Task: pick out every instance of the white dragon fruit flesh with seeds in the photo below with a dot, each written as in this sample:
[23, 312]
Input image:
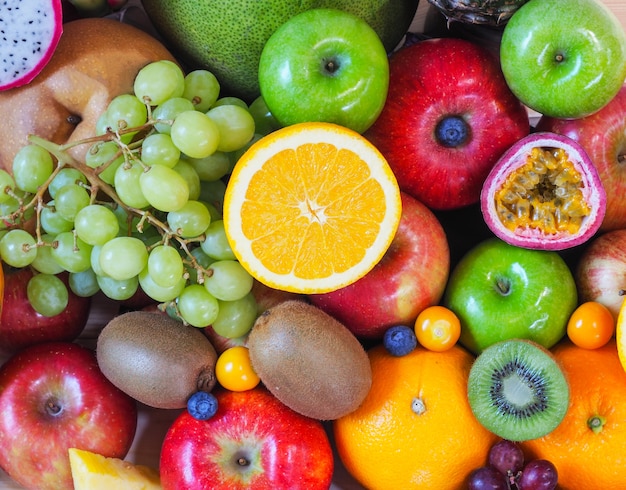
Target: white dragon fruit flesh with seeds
[29, 33]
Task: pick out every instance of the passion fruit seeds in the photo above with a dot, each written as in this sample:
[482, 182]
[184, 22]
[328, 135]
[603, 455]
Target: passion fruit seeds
[544, 193]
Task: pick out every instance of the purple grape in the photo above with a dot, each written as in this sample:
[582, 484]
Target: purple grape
[507, 457]
[538, 474]
[487, 478]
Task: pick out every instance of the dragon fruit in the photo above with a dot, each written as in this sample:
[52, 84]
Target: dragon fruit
[486, 12]
[29, 34]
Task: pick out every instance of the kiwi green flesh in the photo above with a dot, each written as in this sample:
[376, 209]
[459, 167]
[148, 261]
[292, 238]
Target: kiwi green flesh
[517, 390]
[156, 359]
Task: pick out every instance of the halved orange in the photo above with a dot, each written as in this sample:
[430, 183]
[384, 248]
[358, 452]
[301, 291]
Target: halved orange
[311, 207]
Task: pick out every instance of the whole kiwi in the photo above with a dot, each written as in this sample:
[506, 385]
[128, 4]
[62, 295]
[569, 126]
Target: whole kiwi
[156, 359]
[309, 360]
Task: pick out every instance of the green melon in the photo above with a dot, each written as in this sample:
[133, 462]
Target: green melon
[227, 36]
[488, 12]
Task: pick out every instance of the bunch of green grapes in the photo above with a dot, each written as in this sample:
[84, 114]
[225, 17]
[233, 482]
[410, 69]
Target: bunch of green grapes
[144, 209]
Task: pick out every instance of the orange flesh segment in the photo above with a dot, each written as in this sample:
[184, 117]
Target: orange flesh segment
[308, 214]
[546, 194]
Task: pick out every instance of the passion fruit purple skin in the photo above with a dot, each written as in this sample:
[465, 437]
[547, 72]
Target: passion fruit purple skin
[516, 157]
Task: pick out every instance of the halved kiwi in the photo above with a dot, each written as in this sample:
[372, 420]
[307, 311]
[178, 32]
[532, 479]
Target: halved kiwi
[517, 390]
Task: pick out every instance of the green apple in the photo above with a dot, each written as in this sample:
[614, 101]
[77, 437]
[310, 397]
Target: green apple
[500, 292]
[325, 65]
[227, 36]
[564, 58]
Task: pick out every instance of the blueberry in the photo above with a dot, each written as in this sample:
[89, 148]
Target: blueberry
[400, 340]
[202, 405]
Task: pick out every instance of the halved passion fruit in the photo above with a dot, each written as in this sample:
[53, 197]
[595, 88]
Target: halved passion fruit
[544, 193]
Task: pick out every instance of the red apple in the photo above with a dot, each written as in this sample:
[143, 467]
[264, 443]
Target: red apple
[411, 276]
[448, 117]
[600, 273]
[53, 397]
[22, 326]
[603, 136]
[253, 442]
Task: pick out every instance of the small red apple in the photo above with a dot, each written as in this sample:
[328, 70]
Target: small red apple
[411, 276]
[603, 136]
[253, 442]
[448, 117]
[22, 326]
[600, 273]
[53, 397]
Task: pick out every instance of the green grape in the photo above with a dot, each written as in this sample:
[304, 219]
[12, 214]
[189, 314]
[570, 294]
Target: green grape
[165, 113]
[236, 318]
[123, 257]
[7, 185]
[18, 248]
[216, 244]
[191, 220]
[96, 224]
[264, 120]
[187, 172]
[211, 168]
[230, 100]
[195, 134]
[126, 111]
[32, 166]
[47, 294]
[202, 88]
[228, 280]
[164, 188]
[71, 253]
[158, 81]
[65, 176]
[52, 222]
[118, 290]
[127, 186]
[197, 306]
[102, 124]
[234, 156]
[213, 192]
[83, 284]
[94, 260]
[106, 157]
[213, 211]
[157, 292]
[158, 148]
[165, 266]
[235, 124]
[70, 199]
[44, 261]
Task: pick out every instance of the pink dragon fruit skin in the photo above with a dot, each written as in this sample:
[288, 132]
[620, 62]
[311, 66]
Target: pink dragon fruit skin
[30, 32]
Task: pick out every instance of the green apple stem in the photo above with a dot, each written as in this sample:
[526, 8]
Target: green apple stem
[503, 286]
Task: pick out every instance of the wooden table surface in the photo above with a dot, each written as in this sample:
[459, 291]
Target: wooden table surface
[153, 424]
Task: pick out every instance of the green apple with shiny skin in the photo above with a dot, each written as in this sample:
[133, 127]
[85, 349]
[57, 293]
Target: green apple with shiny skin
[325, 65]
[500, 292]
[564, 58]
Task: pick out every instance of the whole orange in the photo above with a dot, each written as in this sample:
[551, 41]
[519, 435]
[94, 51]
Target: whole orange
[415, 429]
[589, 446]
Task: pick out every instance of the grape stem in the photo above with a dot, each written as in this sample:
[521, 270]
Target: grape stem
[97, 187]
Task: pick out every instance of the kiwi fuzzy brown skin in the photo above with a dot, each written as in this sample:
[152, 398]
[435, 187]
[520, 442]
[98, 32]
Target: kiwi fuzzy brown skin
[156, 359]
[517, 390]
[309, 361]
